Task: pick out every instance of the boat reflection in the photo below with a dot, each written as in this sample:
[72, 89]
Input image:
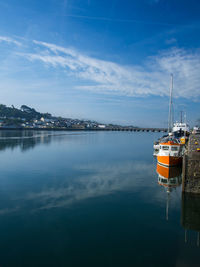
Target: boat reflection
[169, 177]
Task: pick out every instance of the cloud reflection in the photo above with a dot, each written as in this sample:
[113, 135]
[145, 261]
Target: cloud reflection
[104, 180]
[94, 180]
[89, 181]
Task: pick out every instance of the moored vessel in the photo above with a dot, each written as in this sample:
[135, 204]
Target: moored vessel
[169, 149]
[170, 153]
[180, 129]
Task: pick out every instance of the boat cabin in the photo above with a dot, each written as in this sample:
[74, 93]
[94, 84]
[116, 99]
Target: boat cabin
[169, 148]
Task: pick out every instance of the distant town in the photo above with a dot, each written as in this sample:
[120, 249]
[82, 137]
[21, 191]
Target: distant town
[28, 118]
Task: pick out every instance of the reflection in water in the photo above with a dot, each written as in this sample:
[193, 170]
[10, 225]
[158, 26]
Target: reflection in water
[190, 215]
[91, 181]
[91, 195]
[170, 178]
[26, 140]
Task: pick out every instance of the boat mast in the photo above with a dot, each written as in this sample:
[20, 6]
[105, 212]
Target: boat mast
[185, 124]
[170, 123]
[181, 116]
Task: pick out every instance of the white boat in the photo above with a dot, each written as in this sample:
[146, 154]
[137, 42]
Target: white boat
[181, 130]
[181, 127]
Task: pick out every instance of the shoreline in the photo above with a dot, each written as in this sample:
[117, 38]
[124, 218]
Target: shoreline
[88, 129]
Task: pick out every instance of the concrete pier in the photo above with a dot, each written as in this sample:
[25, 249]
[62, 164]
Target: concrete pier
[191, 166]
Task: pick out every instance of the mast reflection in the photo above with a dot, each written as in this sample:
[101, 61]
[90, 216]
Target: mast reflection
[170, 178]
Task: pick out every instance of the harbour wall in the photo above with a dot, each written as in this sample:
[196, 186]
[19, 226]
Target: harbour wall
[191, 166]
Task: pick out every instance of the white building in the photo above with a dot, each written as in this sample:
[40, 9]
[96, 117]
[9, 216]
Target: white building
[102, 126]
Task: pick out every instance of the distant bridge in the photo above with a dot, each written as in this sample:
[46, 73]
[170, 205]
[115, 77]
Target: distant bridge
[127, 129]
[136, 129]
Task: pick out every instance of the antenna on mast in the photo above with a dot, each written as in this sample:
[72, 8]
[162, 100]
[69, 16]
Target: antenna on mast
[185, 124]
[170, 120]
[181, 116]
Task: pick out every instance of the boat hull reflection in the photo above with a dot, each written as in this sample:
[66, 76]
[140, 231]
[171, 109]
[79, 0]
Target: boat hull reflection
[169, 176]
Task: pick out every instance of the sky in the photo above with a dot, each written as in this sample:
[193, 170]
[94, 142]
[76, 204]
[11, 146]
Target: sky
[104, 60]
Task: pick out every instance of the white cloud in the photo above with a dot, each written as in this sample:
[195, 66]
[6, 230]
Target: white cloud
[9, 40]
[153, 78]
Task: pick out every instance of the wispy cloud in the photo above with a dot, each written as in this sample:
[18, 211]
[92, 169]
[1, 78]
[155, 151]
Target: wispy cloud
[9, 40]
[147, 22]
[171, 41]
[106, 77]
[154, 1]
[152, 78]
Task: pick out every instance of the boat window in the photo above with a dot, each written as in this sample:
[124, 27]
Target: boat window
[164, 181]
[165, 148]
[174, 148]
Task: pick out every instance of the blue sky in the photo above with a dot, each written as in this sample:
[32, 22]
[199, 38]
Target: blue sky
[104, 60]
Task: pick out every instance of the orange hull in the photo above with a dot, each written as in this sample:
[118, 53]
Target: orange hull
[169, 160]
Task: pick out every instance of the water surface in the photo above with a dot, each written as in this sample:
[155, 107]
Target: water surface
[90, 199]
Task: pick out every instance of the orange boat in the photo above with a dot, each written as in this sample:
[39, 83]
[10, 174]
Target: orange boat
[169, 149]
[170, 153]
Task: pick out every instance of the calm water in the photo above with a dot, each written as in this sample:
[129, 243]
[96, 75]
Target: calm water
[90, 199]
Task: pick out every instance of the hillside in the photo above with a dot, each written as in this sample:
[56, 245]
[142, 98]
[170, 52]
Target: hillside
[24, 112]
